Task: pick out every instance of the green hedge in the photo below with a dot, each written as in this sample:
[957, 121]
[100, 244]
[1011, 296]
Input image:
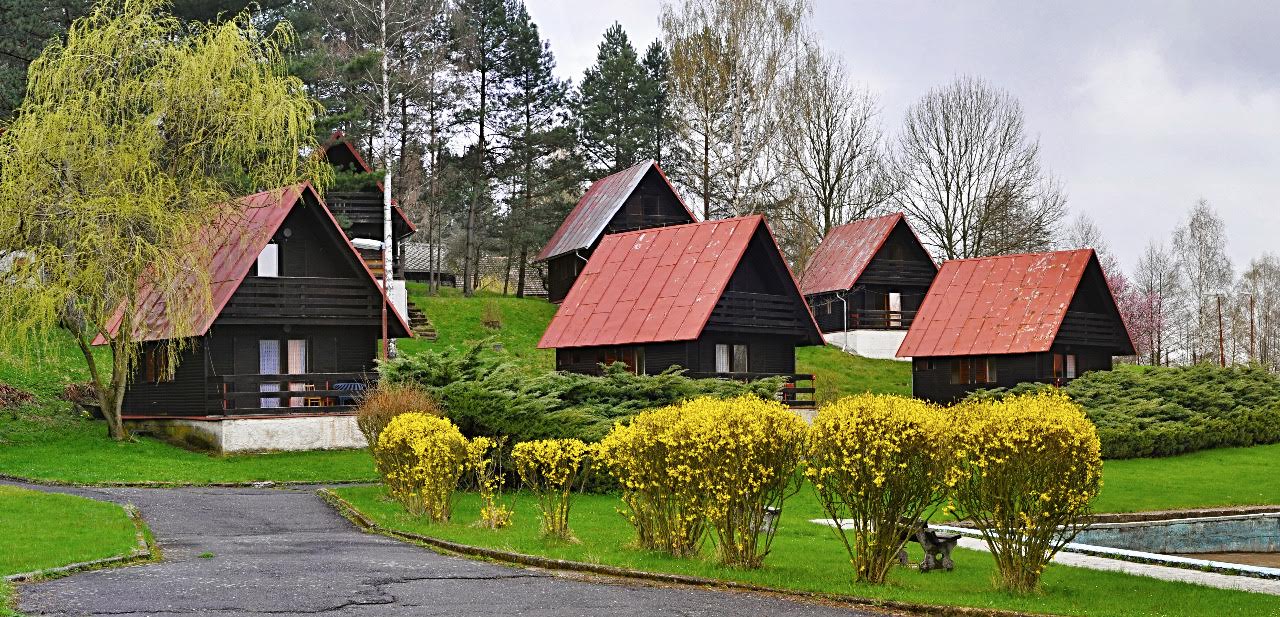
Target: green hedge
[486, 395]
[1161, 411]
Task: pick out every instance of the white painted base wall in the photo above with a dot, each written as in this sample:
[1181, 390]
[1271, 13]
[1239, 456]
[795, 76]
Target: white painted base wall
[880, 344]
[260, 434]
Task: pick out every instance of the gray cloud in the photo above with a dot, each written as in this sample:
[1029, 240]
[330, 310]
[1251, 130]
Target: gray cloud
[1140, 107]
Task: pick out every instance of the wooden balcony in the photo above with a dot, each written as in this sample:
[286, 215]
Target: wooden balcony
[898, 272]
[752, 311]
[630, 222]
[871, 319]
[310, 393]
[269, 300]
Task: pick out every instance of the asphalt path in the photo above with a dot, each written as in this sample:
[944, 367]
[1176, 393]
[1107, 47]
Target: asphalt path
[285, 552]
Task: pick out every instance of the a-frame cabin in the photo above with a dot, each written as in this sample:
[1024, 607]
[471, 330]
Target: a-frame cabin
[638, 197]
[715, 298]
[359, 208]
[1001, 321]
[865, 283]
[294, 309]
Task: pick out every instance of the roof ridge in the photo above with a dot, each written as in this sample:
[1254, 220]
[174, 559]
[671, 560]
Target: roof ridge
[1029, 254]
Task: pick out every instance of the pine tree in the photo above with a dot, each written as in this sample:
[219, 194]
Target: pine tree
[659, 144]
[534, 126]
[612, 106]
[482, 48]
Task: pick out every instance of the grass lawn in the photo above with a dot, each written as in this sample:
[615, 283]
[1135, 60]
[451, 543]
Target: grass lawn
[1222, 477]
[457, 321]
[808, 557]
[838, 373]
[46, 530]
[50, 440]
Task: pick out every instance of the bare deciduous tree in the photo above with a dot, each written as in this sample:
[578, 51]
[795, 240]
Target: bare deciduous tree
[729, 60]
[1200, 245]
[970, 177]
[830, 150]
[1261, 284]
[1158, 285]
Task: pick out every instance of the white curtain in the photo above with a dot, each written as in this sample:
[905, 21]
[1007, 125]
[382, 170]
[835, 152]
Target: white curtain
[297, 366]
[722, 358]
[269, 260]
[269, 364]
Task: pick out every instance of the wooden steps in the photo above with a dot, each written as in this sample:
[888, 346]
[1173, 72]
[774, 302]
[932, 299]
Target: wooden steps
[419, 323]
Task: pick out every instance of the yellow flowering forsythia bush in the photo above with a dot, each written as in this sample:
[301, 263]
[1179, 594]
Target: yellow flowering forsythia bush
[654, 460]
[707, 463]
[482, 462]
[549, 467]
[1030, 467]
[420, 458]
[875, 459]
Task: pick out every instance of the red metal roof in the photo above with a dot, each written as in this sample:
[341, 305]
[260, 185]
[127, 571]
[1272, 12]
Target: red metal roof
[235, 240]
[997, 305]
[653, 285]
[845, 252]
[337, 140]
[602, 200]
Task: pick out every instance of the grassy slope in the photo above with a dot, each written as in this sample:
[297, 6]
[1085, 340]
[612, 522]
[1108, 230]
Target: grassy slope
[808, 557]
[51, 441]
[46, 530]
[458, 323]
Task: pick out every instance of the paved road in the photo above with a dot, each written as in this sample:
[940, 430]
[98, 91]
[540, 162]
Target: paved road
[284, 552]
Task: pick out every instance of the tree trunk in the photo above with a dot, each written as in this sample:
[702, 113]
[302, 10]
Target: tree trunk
[108, 400]
[524, 259]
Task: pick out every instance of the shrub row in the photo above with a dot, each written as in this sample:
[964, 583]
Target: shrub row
[487, 396]
[1025, 468]
[1145, 411]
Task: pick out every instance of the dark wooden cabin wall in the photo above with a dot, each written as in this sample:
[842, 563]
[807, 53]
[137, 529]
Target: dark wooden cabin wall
[658, 357]
[761, 273]
[765, 353]
[183, 396]
[233, 350]
[885, 273]
[931, 377]
[562, 271]
[652, 204]
[309, 249]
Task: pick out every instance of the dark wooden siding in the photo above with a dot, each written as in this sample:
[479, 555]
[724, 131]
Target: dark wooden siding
[900, 266]
[765, 354]
[562, 271]
[658, 357]
[307, 247]
[183, 396]
[652, 204]
[233, 350]
[931, 377]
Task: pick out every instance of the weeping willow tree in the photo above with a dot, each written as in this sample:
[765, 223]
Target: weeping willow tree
[135, 134]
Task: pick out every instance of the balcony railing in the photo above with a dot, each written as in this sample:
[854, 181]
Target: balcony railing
[873, 319]
[632, 222]
[288, 394]
[752, 310]
[793, 394]
[1083, 328]
[287, 299]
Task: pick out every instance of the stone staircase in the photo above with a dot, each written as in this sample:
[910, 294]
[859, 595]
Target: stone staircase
[419, 323]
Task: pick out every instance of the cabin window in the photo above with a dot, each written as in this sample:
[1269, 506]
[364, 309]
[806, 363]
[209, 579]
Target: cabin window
[632, 357]
[924, 365]
[895, 309]
[966, 371]
[1064, 366]
[155, 366]
[269, 260]
[731, 358]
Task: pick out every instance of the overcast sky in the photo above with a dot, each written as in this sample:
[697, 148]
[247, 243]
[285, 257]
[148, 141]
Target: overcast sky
[1140, 107]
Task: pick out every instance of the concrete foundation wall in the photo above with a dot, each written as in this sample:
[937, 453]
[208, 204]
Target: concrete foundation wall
[1252, 533]
[257, 434]
[880, 344]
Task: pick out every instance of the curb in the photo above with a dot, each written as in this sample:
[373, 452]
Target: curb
[248, 484]
[144, 551]
[360, 520]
